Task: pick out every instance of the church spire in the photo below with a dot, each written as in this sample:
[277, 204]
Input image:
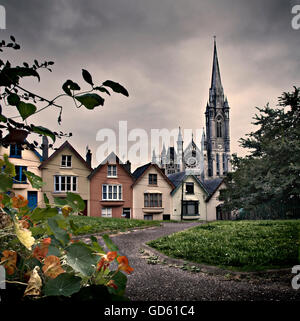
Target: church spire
[216, 75]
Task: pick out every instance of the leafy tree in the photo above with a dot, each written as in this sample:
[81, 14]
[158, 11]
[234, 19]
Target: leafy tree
[266, 183]
[27, 103]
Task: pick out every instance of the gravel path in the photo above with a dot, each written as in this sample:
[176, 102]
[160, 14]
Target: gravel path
[164, 283]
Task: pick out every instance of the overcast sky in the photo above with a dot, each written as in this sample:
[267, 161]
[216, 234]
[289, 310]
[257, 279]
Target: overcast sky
[161, 51]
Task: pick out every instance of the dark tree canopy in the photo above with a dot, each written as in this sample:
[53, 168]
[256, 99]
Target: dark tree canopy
[266, 183]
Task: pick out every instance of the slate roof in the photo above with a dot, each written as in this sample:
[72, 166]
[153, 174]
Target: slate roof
[112, 158]
[66, 144]
[140, 170]
[209, 185]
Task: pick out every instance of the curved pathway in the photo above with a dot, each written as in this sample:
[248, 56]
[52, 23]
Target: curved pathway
[164, 283]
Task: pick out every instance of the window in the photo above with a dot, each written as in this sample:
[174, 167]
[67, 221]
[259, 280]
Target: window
[148, 217]
[112, 170]
[152, 179]
[189, 188]
[65, 183]
[20, 177]
[224, 164]
[218, 164]
[219, 128]
[66, 161]
[152, 200]
[15, 151]
[111, 192]
[106, 212]
[190, 208]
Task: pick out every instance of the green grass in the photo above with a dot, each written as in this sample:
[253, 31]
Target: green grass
[90, 225]
[237, 245]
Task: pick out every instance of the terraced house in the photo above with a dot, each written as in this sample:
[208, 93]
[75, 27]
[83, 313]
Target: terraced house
[194, 198]
[66, 171]
[24, 160]
[151, 193]
[111, 188]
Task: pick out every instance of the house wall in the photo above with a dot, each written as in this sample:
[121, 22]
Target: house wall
[53, 167]
[32, 161]
[199, 195]
[213, 203]
[100, 178]
[138, 196]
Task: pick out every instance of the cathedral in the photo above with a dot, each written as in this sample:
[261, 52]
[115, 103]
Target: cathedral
[207, 156]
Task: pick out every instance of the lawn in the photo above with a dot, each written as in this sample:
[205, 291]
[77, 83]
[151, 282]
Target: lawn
[237, 245]
[89, 225]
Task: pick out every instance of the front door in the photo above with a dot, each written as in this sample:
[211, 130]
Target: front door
[32, 199]
[126, 212]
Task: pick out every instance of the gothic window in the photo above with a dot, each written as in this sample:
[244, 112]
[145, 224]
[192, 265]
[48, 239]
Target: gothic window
[224, 164]
[218, 164]
[219, 128]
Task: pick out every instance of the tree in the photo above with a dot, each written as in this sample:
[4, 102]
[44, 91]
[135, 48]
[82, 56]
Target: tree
[27, 103]
[266, 183]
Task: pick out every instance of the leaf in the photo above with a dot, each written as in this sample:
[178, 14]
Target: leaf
[81, 259]
[90, 101]
[34, 284]
[6, 182]
[26, 109]
[13, 99]
[65, 284]
[109, 243]
[87, 77]
[43, 131]
[35, 181]
[60, 234]
[60, 202]
[116, 87]
[75, 201]
[41, 214]
[70, 85]
[46, 200]
[102, 89]
[95, 245]
[120, 281]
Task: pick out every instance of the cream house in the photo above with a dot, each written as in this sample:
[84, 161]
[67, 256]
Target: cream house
[151, 193]
[194, 198]
[24, 160]
[66, 171]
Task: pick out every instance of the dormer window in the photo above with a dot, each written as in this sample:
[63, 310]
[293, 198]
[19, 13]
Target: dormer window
[66, 161]
[15, 151]
[111, 170]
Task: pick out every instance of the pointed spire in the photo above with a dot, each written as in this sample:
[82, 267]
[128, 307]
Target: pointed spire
[216, 76]
[179, 139]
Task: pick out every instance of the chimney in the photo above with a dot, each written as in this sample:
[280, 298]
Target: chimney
[128, 166]
[89, 157]
[45, 148]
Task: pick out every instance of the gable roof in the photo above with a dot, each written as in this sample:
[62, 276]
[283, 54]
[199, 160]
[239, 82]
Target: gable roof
[180, 177]
[141, 171]
[212, 186]
[112, 158]
[66, 144]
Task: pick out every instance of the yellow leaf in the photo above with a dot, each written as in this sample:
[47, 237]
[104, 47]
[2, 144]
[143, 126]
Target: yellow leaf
[34, 284]
[24, 235]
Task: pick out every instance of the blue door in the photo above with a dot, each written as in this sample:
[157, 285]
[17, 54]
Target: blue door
[32, 200]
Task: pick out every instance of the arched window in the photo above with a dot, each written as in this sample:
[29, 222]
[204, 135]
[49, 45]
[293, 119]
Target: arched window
[219, 128]
[218, 164]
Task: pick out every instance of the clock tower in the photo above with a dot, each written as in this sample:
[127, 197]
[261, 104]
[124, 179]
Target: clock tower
[217, 143]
